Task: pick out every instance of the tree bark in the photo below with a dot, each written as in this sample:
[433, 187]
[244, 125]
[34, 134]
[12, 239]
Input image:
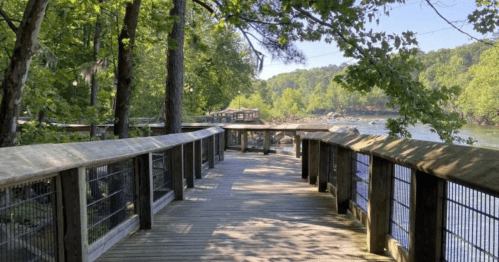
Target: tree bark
[17, 71]
[125, 69]
[175, 71]
[94, 86]
[41, 118]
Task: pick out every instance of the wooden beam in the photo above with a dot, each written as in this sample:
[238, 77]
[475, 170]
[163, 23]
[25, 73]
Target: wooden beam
[297, 146]
[304, 159]
[244, 140]
[266, 142]
[343, 179]
[211, 151]
[378, 207]
[177, 170]
[145, 184]
[74, 197]
[426, 214]
[313, 163]
[198, 159]
[189, 158]
[323, 166]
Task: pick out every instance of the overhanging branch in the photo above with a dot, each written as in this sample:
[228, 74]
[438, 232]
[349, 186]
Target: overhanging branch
[9, 21]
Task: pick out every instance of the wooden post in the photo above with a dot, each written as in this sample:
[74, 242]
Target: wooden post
[74, 198]
[343, 180]
[426, 214]
[378, 207]
[313, 161]
[177, 172]
[189, 164]
[211, 151]
[226, 138]
[304, 159]
[266, 142]
[145, 184]
[297, 146]
[222, 146]
[244, 141]
[323, 166]
[198, 159]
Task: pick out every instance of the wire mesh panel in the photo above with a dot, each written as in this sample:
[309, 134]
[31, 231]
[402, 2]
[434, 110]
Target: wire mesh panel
[471, 225]
[28, 222]
[110, 197]
[204, 150]
[400, 199]
[331, 174]
[234, 137]
[255, 139]
[161, 175]
[360, 180]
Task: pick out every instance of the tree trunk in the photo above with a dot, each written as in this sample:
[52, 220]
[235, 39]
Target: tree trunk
[17, 71]
[175, 72]
[41, 118]
[94, 86]
[125, 69]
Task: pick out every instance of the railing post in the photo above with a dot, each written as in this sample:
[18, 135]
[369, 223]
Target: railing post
[343, 180]
[74, 198]
[198, 159]
[323, 166]
[189, 164]
[211, 151]
[297, 146]
[177, 165]
[304, 159]
[226, 139]
[378, 208]
[426, 214]
[145, 184]
[313, 161]
[244, 141]
[266, 142]
[221, 138]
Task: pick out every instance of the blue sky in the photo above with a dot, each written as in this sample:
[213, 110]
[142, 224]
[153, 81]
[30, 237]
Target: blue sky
[433, 33]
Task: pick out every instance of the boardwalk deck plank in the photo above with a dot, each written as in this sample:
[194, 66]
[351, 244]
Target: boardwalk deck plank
[250, 207]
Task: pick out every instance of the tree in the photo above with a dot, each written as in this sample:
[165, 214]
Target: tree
[16, 73]
[125, 69]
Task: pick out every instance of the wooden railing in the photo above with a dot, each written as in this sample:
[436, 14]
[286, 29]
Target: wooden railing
[420, 201]
[72, 202]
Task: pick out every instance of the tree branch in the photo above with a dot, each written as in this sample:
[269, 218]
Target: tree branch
[9, 21]
[455, 27]
[205, 5]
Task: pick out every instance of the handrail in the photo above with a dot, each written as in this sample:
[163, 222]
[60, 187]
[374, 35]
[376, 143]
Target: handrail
[23, 163]
[475, 167]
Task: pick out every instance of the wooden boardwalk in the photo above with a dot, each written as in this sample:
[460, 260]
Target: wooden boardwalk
[250, 207]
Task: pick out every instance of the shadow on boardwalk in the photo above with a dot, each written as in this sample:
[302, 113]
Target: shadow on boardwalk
[250, 207]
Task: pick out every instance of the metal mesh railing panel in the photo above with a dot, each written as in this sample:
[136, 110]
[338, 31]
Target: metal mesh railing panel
[360, 180]
[110, 197]
[400, 205]
[162, 177]
[471, 225]
[331, 174]
[28, 222]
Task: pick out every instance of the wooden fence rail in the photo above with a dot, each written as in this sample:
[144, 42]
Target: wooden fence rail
[434, 224]
[82, 198]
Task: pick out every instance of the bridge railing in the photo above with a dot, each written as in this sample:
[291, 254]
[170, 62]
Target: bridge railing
[420, 201]
[72, 202]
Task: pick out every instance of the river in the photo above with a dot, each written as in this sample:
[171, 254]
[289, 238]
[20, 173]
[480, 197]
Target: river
[485, 136]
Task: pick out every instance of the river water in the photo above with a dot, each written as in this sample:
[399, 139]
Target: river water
[486, 136]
